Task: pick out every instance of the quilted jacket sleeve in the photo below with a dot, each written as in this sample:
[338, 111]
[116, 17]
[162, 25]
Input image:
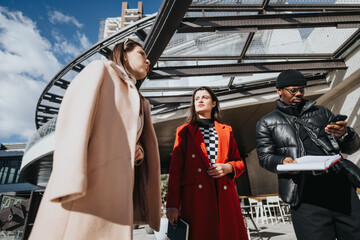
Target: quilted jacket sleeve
[266, 148]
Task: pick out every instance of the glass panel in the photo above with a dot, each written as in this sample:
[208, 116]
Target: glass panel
[166, 93]
[254, 78]
[186, 82]
[212, 2]
[203, 44]
[304, 40]
[193, 63]
[314, 2]
[218, 14]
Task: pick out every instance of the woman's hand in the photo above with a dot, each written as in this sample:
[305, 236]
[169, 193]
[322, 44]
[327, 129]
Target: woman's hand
[218, 170]
[172, 214]
[338, 129]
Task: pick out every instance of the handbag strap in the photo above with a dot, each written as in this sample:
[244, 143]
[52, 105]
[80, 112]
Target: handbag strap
[312, 135]
[300, 121]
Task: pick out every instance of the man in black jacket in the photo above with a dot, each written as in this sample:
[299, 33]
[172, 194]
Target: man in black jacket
[324, 205]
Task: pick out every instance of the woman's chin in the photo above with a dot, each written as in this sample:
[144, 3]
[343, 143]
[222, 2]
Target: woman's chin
[140, 76]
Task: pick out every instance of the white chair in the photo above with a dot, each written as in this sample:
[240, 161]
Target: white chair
[257, 208]
[247, 215]
[272, 207]
[286, 211]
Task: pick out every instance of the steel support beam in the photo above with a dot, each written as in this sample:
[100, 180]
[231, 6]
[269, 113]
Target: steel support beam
[247, 57]
[272, 21]
[224, 95]
[166, 22]
[244, 68]
[48, 109]
[272, 7]
[62, 83]
[348, 44]
[53, 97]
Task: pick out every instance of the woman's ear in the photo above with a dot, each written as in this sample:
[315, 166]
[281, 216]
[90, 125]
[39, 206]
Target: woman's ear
[213, 103]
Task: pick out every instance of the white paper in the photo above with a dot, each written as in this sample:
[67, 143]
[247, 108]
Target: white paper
[309, 163]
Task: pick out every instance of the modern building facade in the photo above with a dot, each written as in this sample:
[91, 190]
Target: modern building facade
[111, 25]
[14, 192]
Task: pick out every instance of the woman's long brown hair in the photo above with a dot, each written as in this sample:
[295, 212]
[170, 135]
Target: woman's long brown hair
[193, 118]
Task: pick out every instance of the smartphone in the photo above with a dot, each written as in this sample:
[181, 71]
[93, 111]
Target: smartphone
[337, 118]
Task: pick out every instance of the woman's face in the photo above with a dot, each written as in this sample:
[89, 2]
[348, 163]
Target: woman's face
[137, 63]
[203, 103]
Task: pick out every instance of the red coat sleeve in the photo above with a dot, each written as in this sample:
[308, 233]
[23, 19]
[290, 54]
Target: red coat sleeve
[176, 169]
[234, 157]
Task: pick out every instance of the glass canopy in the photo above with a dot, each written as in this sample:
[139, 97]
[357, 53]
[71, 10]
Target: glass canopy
[229, 45]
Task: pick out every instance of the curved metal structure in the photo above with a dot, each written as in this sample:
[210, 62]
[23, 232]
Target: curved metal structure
[77, 65]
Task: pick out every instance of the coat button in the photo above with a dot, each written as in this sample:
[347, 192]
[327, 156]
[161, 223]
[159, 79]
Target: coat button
[193, 156]
[200, 186]
[199, 169]
[225, 187]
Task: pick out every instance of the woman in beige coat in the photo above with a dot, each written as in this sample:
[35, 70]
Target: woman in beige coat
[106, 171]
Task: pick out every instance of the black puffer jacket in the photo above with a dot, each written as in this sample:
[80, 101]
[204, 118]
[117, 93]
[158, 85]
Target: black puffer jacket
[278, 137]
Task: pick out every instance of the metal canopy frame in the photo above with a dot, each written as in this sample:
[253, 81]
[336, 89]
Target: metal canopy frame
[245, 68]
[312, 15]
[177, 17]
[254, 23]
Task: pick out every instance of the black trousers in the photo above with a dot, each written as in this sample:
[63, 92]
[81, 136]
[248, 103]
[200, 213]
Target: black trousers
[314, 222]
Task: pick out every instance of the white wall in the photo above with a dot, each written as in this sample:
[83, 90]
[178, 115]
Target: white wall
[261, 180]
[344, 96]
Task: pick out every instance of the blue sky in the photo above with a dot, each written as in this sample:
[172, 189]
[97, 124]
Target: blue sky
[37, 38]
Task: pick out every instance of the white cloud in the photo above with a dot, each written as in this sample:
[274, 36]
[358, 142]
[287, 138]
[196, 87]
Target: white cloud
[84, 41]
[63, 46]
[27, 63]
[70, 47]
[58, 17]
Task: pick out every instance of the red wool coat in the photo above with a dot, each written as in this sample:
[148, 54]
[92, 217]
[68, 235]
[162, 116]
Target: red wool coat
[211, 207]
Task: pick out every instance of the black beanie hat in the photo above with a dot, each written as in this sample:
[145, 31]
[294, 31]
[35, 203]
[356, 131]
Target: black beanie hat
[290, 77]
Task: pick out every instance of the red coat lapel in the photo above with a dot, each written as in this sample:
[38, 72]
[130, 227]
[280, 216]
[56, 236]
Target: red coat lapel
[199, 143]
[223, 145]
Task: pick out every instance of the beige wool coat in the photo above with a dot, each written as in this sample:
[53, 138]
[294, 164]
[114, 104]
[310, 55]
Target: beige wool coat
[95, 191]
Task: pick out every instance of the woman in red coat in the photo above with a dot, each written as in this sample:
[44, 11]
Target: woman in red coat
[204, 163]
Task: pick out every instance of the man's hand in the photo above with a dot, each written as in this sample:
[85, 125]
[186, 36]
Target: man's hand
[290, 160]
[218, 170]
[172, 214]
[338, 129]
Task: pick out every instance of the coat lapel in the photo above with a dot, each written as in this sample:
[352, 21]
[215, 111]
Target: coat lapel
[199, 143]
[223, 142]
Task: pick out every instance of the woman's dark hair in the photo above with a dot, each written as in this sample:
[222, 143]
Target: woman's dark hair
[193, 118]
[119, 50]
